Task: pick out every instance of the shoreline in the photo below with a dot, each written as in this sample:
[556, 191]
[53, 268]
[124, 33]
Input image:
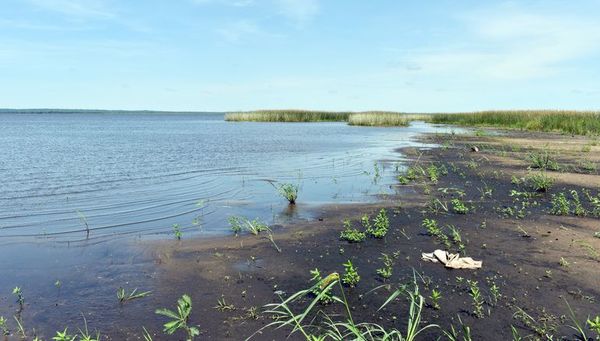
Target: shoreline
[521, 256]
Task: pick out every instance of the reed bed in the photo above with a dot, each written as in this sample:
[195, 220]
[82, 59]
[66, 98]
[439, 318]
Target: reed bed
[569, 122]
[384, 119]
[288, 116]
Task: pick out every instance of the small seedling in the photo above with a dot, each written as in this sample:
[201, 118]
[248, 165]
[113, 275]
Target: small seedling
[177, 231]
[180, 318]
[123, 296]
[539, 182]
[319, 289]
[563, 262]
[3, 326]
[19, 293]
[380, 226]
[64, 336]
[436, 295]
[222, 305]
[477, 298]
[386, 271]
[459, 207]
[560, 204]
[350, 277]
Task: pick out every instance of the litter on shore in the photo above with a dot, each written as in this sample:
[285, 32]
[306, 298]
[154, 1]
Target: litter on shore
[451, 260]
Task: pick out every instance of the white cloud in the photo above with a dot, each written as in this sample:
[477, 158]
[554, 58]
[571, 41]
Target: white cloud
[512, 43]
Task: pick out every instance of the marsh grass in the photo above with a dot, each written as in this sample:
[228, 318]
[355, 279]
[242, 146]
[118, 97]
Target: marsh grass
[366, 118]
[384, 119]
[288, 116]
[570, 122]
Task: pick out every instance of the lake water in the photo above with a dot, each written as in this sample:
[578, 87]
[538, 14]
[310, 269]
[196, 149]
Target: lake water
[129, 177]
[139, 174]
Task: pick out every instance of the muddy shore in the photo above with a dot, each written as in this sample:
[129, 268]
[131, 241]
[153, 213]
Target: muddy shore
[539, 261]
[534, 262]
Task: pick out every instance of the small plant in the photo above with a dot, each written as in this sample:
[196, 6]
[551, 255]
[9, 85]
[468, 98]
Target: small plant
[123, 296]
[457, 238]
[403, 180]
[350, 277]
[436, 295]
[352, 234]
[563, 262]
[560, 204]
[433, 174]
[255, 226]
[543, 160]
[20, 299]
[85, 335]
[435, 231]
[180, 318]
[381, 225]
[289, 192]
[3, 326]
[578, 208]
[458, 206]
[594, 324]
[495, 291]
[386, 271]
[177, 231]
[539, 182]
[222, 305]
[477, 298]
[64, 336]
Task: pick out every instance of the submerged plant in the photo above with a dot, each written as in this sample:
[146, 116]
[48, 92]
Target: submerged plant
[177, 231]
[20, 298]
[289, 192]
[180, 318]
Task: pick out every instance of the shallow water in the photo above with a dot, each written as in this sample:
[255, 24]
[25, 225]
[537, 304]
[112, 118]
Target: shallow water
[130, 177]
[119, 174]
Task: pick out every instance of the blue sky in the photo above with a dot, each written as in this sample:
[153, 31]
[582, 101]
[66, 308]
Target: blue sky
[218, 55]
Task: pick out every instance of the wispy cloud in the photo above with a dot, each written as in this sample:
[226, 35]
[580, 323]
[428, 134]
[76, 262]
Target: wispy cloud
[75, 8]
[509, 42]
[299, 11]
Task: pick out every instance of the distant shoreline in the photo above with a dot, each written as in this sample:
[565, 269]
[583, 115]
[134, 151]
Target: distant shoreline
[101, 111]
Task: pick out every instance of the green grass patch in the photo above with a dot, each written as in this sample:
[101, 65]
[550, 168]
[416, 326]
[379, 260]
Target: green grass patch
[570, 122]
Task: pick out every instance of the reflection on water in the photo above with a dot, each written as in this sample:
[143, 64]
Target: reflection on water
[137, 174]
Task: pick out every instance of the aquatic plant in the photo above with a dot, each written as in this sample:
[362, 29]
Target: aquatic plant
[287, 116]
[289, 192]
[20, 298]
[180, 318]
[177, 231]
[64, 336]
[123, 296]
[4, 326]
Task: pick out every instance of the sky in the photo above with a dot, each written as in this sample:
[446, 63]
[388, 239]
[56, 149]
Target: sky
[225, 55]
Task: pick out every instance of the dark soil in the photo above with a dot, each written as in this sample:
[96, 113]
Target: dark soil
[539, 261]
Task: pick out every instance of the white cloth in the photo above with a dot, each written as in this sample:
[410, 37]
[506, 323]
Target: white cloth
[451, 260]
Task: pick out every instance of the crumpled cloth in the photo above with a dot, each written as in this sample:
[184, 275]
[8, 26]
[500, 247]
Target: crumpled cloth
[451, 260]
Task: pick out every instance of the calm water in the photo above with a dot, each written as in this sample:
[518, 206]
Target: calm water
[138, 174]
[130, 177]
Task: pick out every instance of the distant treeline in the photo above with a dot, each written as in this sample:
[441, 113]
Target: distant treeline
[97, 111]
